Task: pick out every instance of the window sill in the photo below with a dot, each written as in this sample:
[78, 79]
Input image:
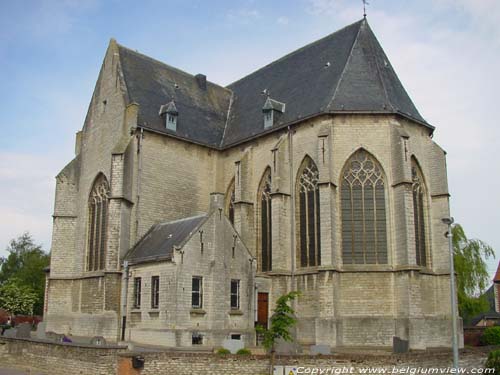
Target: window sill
[197, 312]
[154, 311]
[236, 312]
[135, 310]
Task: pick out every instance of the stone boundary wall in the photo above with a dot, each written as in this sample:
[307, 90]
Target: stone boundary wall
[57, 358]
[68, 359]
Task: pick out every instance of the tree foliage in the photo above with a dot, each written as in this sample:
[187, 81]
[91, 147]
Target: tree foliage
[17, 299]
[281, 322]
[24, 269]
[472, 273]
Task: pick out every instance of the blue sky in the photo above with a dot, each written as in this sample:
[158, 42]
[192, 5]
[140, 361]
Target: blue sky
[446, 53]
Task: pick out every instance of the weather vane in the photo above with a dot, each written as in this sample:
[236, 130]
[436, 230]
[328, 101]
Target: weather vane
[365, 3]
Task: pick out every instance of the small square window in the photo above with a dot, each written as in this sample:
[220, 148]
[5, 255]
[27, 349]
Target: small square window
[235, 336]
[197, 339]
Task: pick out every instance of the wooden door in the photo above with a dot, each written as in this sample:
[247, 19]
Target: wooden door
[262, 309]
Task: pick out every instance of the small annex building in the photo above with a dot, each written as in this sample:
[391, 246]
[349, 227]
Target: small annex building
[199, 255]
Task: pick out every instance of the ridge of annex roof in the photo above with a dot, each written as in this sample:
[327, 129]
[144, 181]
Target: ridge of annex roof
[344, 72]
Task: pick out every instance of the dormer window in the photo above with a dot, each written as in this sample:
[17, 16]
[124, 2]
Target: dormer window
[272, 111]
[171, 122]
[170, 113]
[268, 119]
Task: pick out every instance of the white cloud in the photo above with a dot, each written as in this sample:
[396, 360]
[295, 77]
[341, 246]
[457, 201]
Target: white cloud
[27, 185]
[243, 16]
[449, 68]
[282, 20]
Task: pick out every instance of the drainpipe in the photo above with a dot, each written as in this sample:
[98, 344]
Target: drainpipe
[139, 173]
[124, 298]
[292, 206]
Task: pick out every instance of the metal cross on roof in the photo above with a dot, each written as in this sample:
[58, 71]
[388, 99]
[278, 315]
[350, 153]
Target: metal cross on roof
[365, 3]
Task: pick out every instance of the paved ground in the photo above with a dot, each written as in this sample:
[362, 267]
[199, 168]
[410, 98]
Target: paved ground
[6, 371]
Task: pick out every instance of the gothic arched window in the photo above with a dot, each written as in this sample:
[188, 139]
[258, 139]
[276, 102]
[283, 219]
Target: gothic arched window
[364, 231]
[265, 222]
[308, 219]
[418, 190]
[230, 202]
[97, 223]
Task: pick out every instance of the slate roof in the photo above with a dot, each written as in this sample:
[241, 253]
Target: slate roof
[151, 84]
[344, 72]
[485, 316]
[159, 241]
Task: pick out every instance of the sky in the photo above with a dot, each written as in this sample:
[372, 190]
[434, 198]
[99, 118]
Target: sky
[446, 53]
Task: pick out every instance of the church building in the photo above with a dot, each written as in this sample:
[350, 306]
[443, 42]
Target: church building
[190, 207]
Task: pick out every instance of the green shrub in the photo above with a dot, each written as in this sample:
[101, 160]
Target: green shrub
[491, 336]
[493, 361]
[243, 351]
[223, 351]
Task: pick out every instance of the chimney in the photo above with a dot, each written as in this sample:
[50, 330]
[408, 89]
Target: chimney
[202, 81]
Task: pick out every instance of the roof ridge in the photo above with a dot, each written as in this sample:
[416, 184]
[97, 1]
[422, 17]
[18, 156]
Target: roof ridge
[120, 70]
[227, 119]
[295, 52]
[183, 219]
[345, 66]
[379, 74]
[152, 59]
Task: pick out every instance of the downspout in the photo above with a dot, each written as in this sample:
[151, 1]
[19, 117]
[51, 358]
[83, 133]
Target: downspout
[139, 173]
[124, 298]
[292, 208]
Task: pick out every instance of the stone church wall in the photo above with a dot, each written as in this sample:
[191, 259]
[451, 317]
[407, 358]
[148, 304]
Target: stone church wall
[70, 306]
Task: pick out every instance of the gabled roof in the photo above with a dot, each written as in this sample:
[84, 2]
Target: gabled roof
[158, 243]
[344, 72]
[151, 84]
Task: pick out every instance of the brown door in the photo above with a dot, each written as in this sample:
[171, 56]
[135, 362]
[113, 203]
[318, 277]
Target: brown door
[262, 309]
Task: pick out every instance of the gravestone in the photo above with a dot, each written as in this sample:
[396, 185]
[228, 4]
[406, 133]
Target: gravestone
[98, 340]
[40, 331]
[51, 336]
[399, 345]
[287, 348]
[233, 345]
[23, 331]
[11, 333]
[320, 349]
[54, 336]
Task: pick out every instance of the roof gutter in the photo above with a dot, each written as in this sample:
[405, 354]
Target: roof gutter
[288, 125]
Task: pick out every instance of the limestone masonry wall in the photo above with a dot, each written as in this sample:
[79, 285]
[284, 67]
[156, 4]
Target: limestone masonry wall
[68, 359]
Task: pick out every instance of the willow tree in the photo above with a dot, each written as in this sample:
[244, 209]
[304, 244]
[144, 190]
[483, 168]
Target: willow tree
[472, 274]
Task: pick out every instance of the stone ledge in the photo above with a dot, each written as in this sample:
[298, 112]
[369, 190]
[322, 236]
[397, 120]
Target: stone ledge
[197, 312]
[4, 340]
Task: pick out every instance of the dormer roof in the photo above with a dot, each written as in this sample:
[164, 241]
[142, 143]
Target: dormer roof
[169, 108]
[273, 105]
